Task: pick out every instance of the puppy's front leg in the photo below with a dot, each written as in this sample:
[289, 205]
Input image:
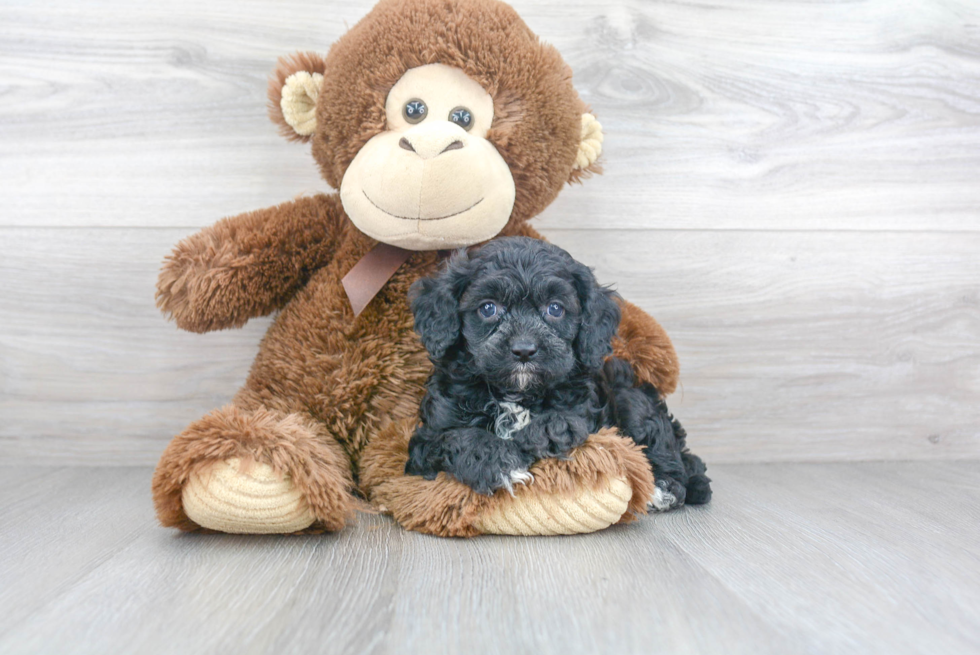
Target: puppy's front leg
[552, 434]
[477, 458]
[485, 462]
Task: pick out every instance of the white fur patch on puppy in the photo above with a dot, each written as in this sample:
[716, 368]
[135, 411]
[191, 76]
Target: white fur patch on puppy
[662, 500]
[518, 476]
[513, 418]
[523, 376]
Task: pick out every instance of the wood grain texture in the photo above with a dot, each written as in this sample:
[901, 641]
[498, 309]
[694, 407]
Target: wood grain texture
[811, 346]
[796, 558]
[791, 188]
[794, 346]
[92, 372]
[59, 524]
[795, 115]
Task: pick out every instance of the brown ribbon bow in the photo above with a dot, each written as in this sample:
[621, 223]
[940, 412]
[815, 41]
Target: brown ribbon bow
[363, 282]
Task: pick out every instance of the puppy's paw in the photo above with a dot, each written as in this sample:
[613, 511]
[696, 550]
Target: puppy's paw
[698, 489]
[518, 476]
[667, 495]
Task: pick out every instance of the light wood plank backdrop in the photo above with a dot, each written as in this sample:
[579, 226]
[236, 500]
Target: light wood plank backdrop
[792, 188]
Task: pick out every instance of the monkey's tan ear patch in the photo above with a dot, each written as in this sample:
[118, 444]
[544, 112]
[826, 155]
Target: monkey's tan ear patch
[298, 101]
[293, 90]
[590, 147]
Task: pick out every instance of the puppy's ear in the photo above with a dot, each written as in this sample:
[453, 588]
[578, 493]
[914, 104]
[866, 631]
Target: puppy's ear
[436, 314]
[600, 319]
[435, 305]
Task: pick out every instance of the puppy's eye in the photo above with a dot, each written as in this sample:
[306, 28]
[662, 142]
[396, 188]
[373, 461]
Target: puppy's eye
[555, 310]
[415, 110]
[488, 310]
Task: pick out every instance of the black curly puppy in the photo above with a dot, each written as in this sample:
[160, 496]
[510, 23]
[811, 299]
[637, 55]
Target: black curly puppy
[641, 414]
[518, 331]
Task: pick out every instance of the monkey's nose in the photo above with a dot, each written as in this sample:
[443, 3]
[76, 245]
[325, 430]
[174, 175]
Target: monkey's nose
[524, 350]
[432, 142]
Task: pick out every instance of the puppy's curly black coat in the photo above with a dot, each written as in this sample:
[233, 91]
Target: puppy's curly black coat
[518, 332]
[641, 414]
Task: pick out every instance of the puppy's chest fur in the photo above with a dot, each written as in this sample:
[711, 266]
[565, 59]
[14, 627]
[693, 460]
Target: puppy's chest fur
[510, 418]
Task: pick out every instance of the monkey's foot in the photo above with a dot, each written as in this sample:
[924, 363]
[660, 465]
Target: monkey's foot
[231, 498]
[587, 510]
[604, 481]
[253, 472]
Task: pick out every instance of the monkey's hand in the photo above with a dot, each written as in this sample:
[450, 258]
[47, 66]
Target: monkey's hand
[248, 265]
[645, 345]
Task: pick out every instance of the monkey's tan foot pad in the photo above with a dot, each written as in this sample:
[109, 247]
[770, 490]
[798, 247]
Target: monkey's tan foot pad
[227, 498]
[589, 510]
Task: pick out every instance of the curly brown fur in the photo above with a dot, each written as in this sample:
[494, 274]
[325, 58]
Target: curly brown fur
[645, 345]
[249, 265]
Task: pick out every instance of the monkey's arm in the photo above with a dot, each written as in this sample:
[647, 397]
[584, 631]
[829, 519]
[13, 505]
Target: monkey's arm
[248, 265]
[645, 345]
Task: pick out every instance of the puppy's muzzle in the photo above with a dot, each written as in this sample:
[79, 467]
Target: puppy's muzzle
[524, 349]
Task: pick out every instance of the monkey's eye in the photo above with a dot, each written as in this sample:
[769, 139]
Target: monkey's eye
[415, 111]
[462, 117]
[556, 310]
[488, 310]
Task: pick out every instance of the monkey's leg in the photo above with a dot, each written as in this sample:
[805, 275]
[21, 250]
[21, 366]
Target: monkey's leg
[604, 481]
[254, 471]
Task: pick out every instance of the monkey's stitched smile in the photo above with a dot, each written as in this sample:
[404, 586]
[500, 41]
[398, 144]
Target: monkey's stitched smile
[417, 218]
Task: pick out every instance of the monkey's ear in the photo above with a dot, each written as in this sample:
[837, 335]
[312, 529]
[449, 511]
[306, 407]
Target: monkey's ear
[589, 148]
[293, 90]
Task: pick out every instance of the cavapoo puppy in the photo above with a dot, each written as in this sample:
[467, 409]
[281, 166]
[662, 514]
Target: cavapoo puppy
[518, 332]
[641, 414]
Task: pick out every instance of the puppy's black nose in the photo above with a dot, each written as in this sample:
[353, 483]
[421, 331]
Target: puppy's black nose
[524, 350]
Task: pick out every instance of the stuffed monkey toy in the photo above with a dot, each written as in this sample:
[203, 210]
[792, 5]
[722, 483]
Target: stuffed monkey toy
[442, 123]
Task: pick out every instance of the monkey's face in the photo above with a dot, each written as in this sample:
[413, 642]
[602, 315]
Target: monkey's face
[442, 122]
[432, 180]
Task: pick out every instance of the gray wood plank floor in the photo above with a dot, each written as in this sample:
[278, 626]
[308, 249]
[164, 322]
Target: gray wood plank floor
[789, 558]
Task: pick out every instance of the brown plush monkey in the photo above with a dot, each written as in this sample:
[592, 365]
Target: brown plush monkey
[443, 123]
